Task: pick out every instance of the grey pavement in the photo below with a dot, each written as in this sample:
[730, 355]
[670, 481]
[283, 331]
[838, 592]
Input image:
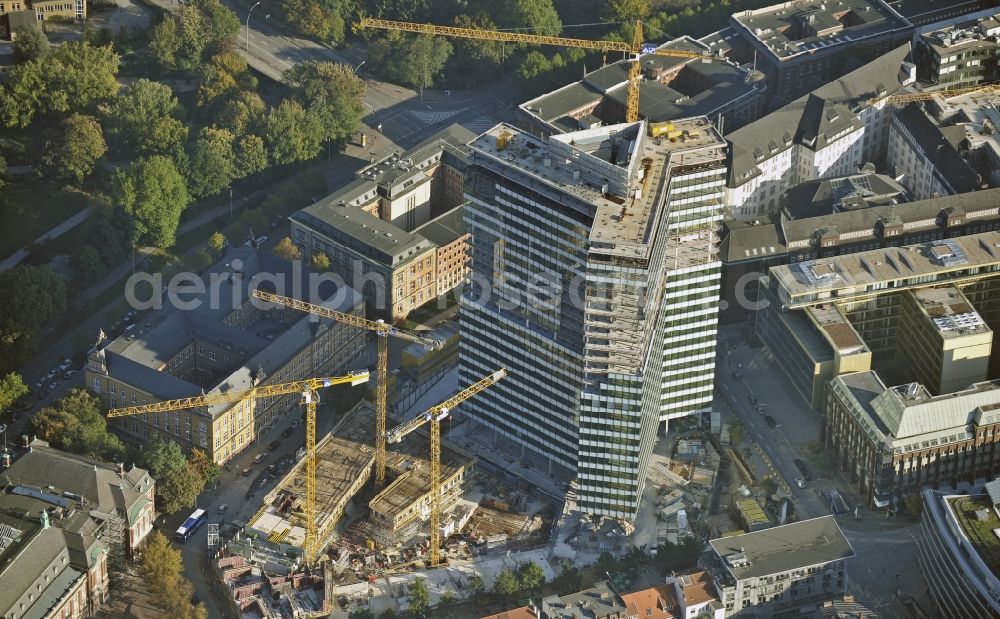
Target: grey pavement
[74, 220]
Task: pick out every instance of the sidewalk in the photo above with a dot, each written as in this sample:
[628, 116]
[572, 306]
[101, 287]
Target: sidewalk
[14, 259]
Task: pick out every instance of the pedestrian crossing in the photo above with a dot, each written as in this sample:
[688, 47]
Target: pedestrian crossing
[480, 124]
[433, 118]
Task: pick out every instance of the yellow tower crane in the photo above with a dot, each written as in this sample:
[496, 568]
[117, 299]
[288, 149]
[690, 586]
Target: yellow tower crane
[381, 329]
[309, 389]
[633, 49]
[434, 415]
[911, 97]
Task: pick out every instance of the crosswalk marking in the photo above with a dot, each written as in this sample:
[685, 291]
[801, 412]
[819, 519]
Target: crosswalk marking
[433, 118]
[479, 124]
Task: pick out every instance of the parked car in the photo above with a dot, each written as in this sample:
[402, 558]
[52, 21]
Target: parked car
[799, 464]
[801, 483]
[53, 385]
[68, 375]
[52, 374]
[753, 400]
[259, 457]
[287, 432]
[65, 364]
[246, 472]
[769, 420]
[274, 446]
[296, 423]
[222, 508]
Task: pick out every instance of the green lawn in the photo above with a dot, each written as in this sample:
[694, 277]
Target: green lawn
[980, 532]
[29, 209]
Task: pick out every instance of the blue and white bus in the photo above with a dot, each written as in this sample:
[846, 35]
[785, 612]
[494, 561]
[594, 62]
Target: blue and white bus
[191, 525]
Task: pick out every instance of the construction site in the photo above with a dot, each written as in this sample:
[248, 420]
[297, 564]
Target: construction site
[367, 532]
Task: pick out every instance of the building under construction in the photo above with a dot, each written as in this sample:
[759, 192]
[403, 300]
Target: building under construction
[342, 469]
[344, 462]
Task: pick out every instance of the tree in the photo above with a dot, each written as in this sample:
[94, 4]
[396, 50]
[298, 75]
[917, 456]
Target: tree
[82, 74]
[193, 39]
[78, 146]
[161, 568]
[109, 231]
[415, 60]
[242, 113]
[292, 133]
[178, 481]
[629, 10]
[217, 242]
[477, 586]
[76, 423]
[30, 44]
[143, 120]
[419, 597]
[568, 579]
[530, 576]
[322, 19]
[11, 388]
[320, 261]
[538, 16]
[40, 298]
[87, 265]
[770, 486]
[251, 155]
[160, 561]
[73, 76]
[153, 193]
[287, 249]
[506, 584]
[221, 26]
[179, 489]
[224, 74]
[212, 163]
[161, 458]
[205, 466]
[332, 92]
[476, 61]
[672, 557]
[361, 613]
[913, 504]
[165, 41]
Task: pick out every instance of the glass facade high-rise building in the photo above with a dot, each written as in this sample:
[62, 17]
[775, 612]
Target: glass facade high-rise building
[595, 283]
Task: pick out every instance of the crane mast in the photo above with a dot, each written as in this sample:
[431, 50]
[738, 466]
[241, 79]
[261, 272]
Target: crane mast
[309, 389]
[383, 331]
[434, 415]
[633, 49]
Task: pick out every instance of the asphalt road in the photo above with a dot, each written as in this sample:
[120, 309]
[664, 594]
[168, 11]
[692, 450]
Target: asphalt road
[740, 375]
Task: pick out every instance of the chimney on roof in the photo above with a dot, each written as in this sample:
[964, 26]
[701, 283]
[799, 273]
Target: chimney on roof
[121, 470]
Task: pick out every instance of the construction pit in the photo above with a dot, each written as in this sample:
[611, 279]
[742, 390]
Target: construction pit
[367, 533]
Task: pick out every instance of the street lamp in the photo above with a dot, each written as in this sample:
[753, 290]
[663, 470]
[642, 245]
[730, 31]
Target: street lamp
[3, 428]
[248, 23]
[359, 66]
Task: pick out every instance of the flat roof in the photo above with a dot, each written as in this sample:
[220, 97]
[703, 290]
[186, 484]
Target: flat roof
[909, 266]
[797, 28]
[967, 511]
[446, 228]
[832, 323]
[364, 233]
[949, 312]
[581, 164]
[783, 548]
[700, 88]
